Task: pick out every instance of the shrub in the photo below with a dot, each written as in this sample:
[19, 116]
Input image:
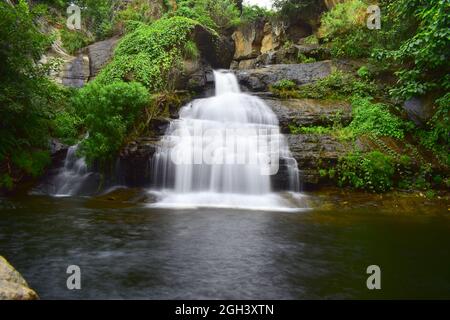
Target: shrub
[109, 113]
[374, 118]
[32, 162]
[338, 86]
[66, 126]
[373, 171]
[148, 53]
[437, 138]
[215, 14]
[73, 41]
[284, 89]
[252, 13]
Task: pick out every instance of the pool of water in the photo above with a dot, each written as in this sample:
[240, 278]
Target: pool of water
[128, 250]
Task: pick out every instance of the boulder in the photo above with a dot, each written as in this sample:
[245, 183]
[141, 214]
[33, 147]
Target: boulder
[217, 51]
[100, 53]
[261, 79]
[12, 285]
[307, 112]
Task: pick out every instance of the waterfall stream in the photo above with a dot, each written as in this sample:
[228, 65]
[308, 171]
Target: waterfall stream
[72, 176]
[222, 152]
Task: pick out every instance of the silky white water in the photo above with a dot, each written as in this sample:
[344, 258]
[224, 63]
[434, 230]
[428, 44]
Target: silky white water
[71, 176]
[223, 152]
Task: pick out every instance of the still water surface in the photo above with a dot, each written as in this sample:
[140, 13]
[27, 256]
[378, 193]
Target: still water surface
[127, 250]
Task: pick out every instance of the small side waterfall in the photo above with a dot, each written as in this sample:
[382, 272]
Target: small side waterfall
[72, 176]
[222, 152]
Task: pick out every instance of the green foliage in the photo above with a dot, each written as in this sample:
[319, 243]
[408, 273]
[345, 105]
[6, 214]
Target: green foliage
[26, 94]
[6, 181]
[364, 73]
[295, 10]
[148, 53]
[67, 126]
[437, 138]
[137, 10]
[343, 19]
[372, 171]
[74, 40]
[32, 163]
[190, 50]
[374, 118]
[426, 51]
[284, 84]
[284, 89]
[109, 113]
[215, 14]
[304, 59]
[309, 130]
[252, 13]
[338, 86]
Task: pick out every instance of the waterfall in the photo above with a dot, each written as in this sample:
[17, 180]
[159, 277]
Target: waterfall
[71, 177]
[223, 152]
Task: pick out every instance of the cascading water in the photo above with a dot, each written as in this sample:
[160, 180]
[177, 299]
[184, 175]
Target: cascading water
[72, 176]
[222, 153]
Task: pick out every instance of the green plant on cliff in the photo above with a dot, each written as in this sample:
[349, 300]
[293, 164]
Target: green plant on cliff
[284, 89]
[373, 171]
[74, 40]
[215, 14]
[437, 138]
[109, 112]
[148, 54]
[376, 119]
[338, 85]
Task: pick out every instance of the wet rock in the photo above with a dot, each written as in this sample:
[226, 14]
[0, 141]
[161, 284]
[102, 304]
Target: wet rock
[133, 168]
[100, 53]
[261, 79]
[12, 285]
[75, 72]
[418, 111]
[314, 152]
[308, 112]
[216, 51]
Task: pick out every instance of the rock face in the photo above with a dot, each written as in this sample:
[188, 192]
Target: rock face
[312, 151]
[75, 72]
[134, 164]
[306, 112]
[12, 285]
[100, 53]
[418, 110]
[261, 79]
[217, 51]
[255, 39]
